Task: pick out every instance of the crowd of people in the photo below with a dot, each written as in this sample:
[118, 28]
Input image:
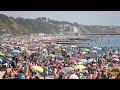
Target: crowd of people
[36, 60]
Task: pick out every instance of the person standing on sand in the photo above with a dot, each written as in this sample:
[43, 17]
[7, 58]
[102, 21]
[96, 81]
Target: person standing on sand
[73, 75]
[60, 75]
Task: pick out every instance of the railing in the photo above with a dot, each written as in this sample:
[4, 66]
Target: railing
[102, 34]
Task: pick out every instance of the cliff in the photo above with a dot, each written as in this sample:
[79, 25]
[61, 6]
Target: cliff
[17, 26]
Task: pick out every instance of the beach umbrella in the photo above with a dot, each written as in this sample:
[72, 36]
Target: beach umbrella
[59, 45]
[104, 59]
[85, 49]
[73, 58]
[66, 69]
[36, 47]
[3, 44]
[94, 51]
[115, 70]
[28, 52]
[43, 45]
[10, 59]
[83, 52]
[16, 51]
[73, 46]
[1, 60]
[118, 55]
[115, 59]
[38, 68]
[92, 56]
[80, 63]
[83, 60]
[59, 56]
[44, 54]
[79, 67]
[114, 56]
[23, 48]
[95, 47]
[51, 55]
[91, 60]
[10, 55]
[99, 48]
[16, 48]
[52, 43]
[1, 54]
[11, 48]
[34, 51]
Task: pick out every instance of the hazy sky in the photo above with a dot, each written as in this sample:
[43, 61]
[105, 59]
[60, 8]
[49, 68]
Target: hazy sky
[81, 17]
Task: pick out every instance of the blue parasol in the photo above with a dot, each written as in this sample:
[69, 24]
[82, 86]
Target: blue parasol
[10, 59]
[1, 60]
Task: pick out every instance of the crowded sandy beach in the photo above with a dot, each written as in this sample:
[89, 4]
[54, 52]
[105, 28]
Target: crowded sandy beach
[31, 58]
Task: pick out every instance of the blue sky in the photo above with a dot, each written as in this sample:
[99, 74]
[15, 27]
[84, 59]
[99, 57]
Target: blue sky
[81, 17]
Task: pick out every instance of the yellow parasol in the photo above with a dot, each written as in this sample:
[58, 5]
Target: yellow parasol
[36, 47]
[28, 52]
[38, 68]
[80, 63]
[79, 67]
[115, 70]
[25, 45]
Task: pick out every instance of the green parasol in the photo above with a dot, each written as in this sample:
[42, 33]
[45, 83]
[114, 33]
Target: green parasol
[1, 54]
[85, 49]
[66, 69]
[44, 54]
[10, 55]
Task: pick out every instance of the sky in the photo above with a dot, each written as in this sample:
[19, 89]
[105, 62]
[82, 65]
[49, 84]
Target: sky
[104, 18]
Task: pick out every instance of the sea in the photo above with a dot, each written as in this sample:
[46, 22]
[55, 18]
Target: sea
[103, 41]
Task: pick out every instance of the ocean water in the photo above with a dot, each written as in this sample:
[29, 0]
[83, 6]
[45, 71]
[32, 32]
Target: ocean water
[104, 41]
